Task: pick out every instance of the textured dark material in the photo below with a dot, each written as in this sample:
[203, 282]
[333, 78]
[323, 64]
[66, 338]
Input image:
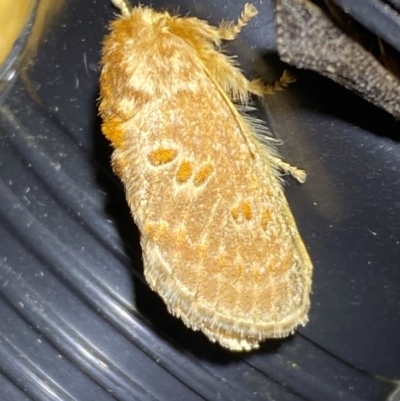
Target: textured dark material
[77, 320]
[308, 38]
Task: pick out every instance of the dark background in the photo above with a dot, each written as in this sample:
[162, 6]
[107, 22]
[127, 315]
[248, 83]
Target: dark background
[78, 321]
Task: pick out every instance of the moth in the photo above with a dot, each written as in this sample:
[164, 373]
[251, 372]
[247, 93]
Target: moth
[220, 244]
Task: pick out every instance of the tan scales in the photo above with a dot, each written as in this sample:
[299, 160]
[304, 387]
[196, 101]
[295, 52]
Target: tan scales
[219, 242]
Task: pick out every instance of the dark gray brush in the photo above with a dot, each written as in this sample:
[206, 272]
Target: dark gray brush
[309, 38]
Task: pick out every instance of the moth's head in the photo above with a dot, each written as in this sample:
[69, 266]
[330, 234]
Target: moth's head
[152, 18]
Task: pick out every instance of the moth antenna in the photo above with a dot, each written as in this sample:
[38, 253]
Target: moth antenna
[123, 6]
[228, 30]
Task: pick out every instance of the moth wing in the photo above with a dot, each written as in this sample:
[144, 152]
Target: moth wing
[219, 241]
[220, 244]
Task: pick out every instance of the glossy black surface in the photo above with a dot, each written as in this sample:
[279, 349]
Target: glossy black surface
[78, 322]
[379, 16]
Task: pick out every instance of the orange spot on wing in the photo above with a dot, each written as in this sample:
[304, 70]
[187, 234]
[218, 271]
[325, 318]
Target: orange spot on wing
[162, 156]
[246, 210]
[157, 231]
[112, 131]
[242, 211]
[202, 175]
[184, 172]
[235, 212]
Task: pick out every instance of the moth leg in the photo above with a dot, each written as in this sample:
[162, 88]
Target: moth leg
[224, 70]
[261, 89]
[229, 30]
[297, 173]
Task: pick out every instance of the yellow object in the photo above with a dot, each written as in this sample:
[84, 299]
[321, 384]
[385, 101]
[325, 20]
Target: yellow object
[13, 16]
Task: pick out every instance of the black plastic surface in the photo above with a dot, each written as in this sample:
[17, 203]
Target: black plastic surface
[78, 322]
[379, 16]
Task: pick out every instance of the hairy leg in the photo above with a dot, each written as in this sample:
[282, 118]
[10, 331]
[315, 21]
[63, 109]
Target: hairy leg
[297, 173]
[261, 89]
[229, 30]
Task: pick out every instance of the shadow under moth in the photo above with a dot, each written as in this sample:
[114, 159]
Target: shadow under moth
[202, 179]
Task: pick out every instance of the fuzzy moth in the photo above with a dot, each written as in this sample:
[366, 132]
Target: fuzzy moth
[220, 244]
